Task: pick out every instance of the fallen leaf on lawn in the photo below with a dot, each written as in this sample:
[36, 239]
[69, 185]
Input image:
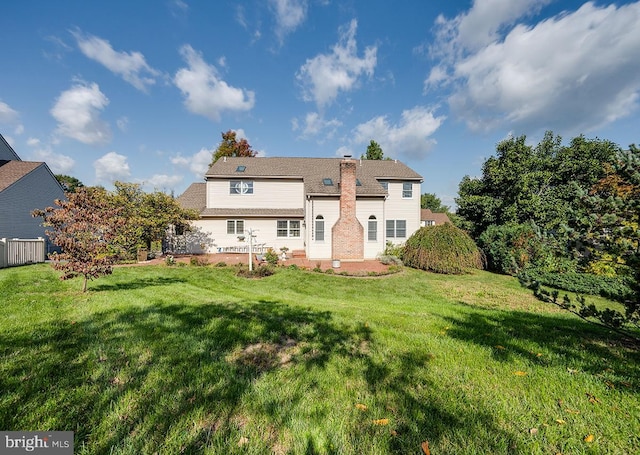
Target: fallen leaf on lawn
[362, 407]
[502, 348]
[592, 398]
[539, 354]
[571, 371]
[533, 431]
[560, 403]
[560, 421]
[572, 411]
[381, 422]
[610, 384]
[243, 440]
[520, 373]
[394, 433]
[425, 448]
[589, 438]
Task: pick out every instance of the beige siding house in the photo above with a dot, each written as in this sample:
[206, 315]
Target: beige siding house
[322, 208]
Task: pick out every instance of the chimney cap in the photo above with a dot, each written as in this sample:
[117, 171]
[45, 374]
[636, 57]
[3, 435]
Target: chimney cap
[348, 155]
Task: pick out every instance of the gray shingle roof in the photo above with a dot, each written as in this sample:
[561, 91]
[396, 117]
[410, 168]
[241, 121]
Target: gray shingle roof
[313, 170]
[194, 197]
[12, 171]
[244, 213]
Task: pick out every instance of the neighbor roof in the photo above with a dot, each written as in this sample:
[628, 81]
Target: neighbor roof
[6, 151]
[12, 171]
[312, 171]
[438, 218]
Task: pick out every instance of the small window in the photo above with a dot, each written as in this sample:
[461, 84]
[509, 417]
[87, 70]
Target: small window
[235, 227]
[288, 228]
[407, 190]
[241, 168]
[240, 187]
[320, 228]
[358, 182]
[385, 185]
[327, 182]
[372, 229]
[397, 229]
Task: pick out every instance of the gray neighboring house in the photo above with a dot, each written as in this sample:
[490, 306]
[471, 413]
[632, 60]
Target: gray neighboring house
[24, 186]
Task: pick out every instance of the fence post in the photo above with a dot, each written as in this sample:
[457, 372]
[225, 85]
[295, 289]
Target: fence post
[3, 253]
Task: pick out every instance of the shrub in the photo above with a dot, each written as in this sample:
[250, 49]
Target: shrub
[271, 257]
[170, 260]
[258, 272]
[198, 261]
[392, 250]
[510, 248]
[221, 264]
[615, 288]
[390, 260]
[442, 249]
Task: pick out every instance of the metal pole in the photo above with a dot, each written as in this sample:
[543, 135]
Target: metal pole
[250, 232]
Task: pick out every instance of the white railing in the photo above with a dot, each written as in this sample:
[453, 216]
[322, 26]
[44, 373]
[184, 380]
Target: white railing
[21, 251]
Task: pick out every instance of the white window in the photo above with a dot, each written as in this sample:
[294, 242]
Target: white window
[397, 229]
[235, 227]
[319, 228]
[240, 187]
[372, 229]
[288, 228]
[407, 190]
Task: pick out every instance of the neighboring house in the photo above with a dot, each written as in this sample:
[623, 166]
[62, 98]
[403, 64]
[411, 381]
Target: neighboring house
[24, 186]
[324, 208]
[428, 218]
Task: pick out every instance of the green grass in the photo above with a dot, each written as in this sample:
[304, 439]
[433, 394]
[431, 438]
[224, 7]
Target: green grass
[197, 360]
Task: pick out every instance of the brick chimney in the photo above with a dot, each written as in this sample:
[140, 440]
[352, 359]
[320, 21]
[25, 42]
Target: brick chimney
[347, 234]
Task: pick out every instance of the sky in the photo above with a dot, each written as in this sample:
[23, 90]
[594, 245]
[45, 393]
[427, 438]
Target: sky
[140, 91]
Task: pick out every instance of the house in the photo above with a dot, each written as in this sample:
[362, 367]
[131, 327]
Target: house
[428, 218]
[322, 208]
[24, 186]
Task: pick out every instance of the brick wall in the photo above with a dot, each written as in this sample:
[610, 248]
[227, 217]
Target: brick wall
[347, 234]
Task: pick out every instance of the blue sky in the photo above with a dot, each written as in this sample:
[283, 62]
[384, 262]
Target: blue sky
[141, 91]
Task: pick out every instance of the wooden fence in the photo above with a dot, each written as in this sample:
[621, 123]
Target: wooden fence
[21, 251]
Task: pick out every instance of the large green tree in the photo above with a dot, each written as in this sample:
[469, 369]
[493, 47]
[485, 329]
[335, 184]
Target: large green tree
[148, 216]
[231, 146]
[374, 151]
[69, 183]
[532, 184]
[433, 202]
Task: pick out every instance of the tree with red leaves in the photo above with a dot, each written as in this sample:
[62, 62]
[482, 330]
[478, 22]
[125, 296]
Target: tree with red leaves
[83, 227]
[230, 146]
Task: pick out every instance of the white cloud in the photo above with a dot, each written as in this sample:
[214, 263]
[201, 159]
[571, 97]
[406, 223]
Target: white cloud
[131, 66]
[571, 73]
[314, 124]
[111, 167]
[344, 151]
[197, 163]
[123, 124]
[205, 92]
[57, 162]
[411, 137]
[289, 15]
[33, 142]
[325, 75]
[7, 114]
[77, 111]
[162, 182]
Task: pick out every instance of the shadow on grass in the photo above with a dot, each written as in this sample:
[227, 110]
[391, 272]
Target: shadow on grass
[138, 283]
[550, 341]
[123, 378]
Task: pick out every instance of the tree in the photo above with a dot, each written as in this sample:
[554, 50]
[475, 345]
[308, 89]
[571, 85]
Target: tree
[374, 151]
[148, 216]
[68, 183]
[83, 227]
[432, 202]
[525, 184]
[230, 146]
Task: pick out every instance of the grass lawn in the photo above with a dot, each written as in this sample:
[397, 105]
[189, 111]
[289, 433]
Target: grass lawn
[190, 359]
